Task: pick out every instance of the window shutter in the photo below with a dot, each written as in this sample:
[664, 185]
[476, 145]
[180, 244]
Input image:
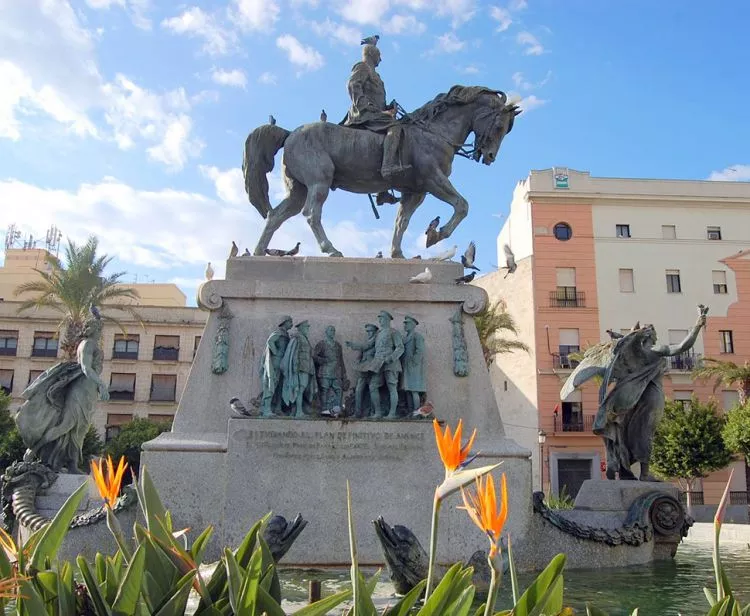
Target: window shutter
[566, 276]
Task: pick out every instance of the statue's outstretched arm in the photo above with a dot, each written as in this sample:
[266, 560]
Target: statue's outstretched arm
[688, 342]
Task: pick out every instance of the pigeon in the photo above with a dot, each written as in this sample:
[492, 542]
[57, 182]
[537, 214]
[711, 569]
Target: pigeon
[95, 312]
[510, 260]
[613, 334]
[247, 253]
[424, 411]
[238, 409]
[422, 277]
[323, 116]
[432, 227]
[417, 257]
[234, 251]
[278, 252]
[466, 279]
[379, 255]
[209, 272]
[467, 259]
[446, 255]
[271, 120]
[370, 40]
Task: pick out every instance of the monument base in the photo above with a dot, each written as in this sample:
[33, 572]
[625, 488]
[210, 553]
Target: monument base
[613, 524]
[302, 466]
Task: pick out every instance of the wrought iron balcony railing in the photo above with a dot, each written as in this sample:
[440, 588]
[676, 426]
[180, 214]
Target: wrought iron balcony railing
[580, 423]
[567, 300]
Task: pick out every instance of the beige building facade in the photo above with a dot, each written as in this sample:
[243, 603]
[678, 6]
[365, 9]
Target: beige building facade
[602, 253]
[146, 366]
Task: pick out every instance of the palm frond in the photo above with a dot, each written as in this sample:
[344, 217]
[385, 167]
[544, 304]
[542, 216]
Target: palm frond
[492, 322]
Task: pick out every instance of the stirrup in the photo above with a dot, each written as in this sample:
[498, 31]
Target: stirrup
[386, 197]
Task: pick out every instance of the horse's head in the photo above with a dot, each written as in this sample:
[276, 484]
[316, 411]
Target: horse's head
[492, 121]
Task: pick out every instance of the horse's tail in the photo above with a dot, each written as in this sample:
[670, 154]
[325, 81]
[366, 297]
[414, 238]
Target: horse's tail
[257, 160]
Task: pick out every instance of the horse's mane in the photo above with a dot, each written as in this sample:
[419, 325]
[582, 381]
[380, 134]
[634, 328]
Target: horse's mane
[457, 95]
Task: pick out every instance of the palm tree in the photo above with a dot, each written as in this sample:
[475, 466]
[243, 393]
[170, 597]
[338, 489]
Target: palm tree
[73, 289]
[490, 323]
[728, 374]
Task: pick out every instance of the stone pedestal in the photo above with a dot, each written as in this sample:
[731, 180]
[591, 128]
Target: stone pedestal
[213, 469]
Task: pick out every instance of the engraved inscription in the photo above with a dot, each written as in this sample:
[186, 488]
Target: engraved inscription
[300, 445]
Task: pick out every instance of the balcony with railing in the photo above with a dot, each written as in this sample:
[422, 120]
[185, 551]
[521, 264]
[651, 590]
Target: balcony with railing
[570, 299]
[738, 498]
[685, 362]
[563, 361]
[575, 423]
[696, 498]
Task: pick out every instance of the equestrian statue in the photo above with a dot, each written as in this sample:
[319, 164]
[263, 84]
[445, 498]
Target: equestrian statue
[376, 149]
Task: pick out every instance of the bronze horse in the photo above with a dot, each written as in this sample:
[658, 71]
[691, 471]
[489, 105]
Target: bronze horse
[322, 156]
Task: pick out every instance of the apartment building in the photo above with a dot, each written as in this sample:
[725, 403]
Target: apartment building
[146, 366]
[603, 253]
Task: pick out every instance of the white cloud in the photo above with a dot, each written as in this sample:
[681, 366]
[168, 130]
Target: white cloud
[305, 57]
[364, 11]
[136, 9]
[229, 184]
[195, 22]
[532, 44]
[531, 102]
[470, 69]
[521, 82]
[255, 14]
[517, 5]
[268, 79]
[447, 43]
[403, 24]
[136, 113]
[460, 11]
[502, 17]
[166, 228]
[235, 78]
[340, 32]
[733, 173]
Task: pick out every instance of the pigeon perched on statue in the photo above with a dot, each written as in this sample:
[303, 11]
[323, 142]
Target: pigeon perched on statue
[467, 259]
[278, 252]
[425, 411]
[234, 251]
[423, 277]
[379, 255]
[323, 116]
[446, 255]
[238, 408]
[272, 120]
[370, 40]
[95, 312]
[209, 272]
[466, 279]
[432, 227]
[613, 334]
[247, 253]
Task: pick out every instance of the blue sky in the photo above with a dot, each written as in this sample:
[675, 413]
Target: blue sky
[127, 118]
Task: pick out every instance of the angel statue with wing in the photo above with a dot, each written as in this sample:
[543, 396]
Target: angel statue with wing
[631, 396]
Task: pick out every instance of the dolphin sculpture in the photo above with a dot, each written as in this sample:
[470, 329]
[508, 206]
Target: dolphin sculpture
[280, 534]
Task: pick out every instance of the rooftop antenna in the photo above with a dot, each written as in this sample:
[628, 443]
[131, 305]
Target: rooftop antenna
[52, 242]
[12, 235]
[29, 243]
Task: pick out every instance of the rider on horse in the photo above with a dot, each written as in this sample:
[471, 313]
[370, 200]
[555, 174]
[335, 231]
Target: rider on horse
[370, 111]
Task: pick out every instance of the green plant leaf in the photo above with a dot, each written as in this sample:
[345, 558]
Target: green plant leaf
[116, 529]
[513, 575]
[152, 507]
[322, 607]
[594, 611]
[268, 605]
[130, 587]
[249, 593]
[439, 597]
[66, 601]
[462, 604]
[543, 589]
[199, 545]
[47, 583]
[52, 535]
[709, 596]
[407, 602]
[235, 574]
[100, 605]
[177, 602]
[31, 601]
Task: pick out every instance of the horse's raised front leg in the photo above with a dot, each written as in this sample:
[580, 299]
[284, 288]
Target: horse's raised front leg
[290, 206]
[409, 204]
[440, 186]
[316, 197]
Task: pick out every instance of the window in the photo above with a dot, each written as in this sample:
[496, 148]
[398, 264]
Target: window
[8, 342]
[122, 386]
[45, 345]
[626, 281]
[163, 387]
[34, 375]
[6, 381]
[713, 233]
[622, 230]
[683, 399]
[669, 232]
[195, 345]
[161, 418]
[730, 398]
[568, 344]
[115, 421]
[563, 232]
[673, 281]
[566, 295]
[166, 348]
[126, 347]
[726, 341]
[720, 281]
[571, 473]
